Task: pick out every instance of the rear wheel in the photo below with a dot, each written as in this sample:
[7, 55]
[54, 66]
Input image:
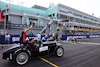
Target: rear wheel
[21, 58]
[59, 51]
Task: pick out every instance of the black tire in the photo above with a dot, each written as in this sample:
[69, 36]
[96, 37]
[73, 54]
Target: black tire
[59, 52]
[21, 57]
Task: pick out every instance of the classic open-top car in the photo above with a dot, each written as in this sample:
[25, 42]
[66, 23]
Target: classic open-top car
[21, 54]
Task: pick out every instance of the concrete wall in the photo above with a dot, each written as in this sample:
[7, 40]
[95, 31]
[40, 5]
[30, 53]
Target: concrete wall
[14, 19]
[45, 22]
[52, 28]
[18, 31]
[15, 31]
[37, 31]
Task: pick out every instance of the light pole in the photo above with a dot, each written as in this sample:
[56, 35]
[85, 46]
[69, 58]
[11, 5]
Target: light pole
[5, 20]
[8, 7]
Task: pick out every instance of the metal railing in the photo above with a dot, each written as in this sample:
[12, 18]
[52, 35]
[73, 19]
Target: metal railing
[18, 26]
[27, 12]
[86, 25]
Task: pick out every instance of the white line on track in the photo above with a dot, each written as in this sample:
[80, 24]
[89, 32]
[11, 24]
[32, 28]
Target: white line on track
[89, 43]
[82, 42]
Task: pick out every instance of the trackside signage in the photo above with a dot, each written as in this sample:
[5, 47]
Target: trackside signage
[16, 38]
[94, 36]
[79, 37]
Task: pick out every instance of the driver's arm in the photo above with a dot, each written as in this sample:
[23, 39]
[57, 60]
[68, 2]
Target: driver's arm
[34, 44]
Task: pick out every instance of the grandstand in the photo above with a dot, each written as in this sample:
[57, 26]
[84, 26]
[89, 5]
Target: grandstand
[60, 18]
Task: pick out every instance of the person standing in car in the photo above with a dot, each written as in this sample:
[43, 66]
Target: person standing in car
[23, 34]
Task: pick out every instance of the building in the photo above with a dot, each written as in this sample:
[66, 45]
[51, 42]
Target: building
[60, 18]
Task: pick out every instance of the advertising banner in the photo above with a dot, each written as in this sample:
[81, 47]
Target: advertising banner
[94, 36]
[15, 38]
[0, 14]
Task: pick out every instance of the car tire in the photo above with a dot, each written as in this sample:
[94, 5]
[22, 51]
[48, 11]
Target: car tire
[59, 52]
[21, 58]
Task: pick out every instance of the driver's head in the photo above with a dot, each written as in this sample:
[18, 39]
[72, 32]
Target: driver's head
[31, 40]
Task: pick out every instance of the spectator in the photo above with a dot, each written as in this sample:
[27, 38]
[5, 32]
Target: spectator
[38, 37]
[46, 35]
[84, 37]
[7, 38]
[59, 37]
[71, 39]
[0, 36]
[0, 41]
[55, 37]
[53, 34]
[76, 40]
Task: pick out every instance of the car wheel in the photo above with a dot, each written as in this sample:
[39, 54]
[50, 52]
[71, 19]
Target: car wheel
[21, 58]
[59, 51]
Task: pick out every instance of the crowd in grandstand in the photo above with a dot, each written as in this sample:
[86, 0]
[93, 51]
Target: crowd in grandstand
[80, 33]
[47, 37]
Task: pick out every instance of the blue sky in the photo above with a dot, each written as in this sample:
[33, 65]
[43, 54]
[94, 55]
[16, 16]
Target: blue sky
[87, 6]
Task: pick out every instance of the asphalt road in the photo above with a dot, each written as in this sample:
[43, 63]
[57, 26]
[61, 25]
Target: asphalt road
[94, 40]
[75, 55]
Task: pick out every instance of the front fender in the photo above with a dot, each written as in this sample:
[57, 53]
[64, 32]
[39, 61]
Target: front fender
[57, 47]
[22, 50]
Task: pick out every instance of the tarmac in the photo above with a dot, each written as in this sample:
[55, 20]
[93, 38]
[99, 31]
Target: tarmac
[85, 53]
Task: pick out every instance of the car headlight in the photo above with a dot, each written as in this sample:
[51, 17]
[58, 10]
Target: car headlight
[10, 56]
[58, 43]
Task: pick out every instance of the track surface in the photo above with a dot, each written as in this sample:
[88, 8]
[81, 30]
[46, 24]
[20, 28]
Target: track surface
[75, 55]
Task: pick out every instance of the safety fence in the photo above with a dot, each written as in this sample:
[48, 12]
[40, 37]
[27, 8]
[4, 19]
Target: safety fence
[15, 38]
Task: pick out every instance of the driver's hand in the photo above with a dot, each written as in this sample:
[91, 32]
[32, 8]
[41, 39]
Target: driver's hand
[31, 26]
[38, 45]
[34, 44]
